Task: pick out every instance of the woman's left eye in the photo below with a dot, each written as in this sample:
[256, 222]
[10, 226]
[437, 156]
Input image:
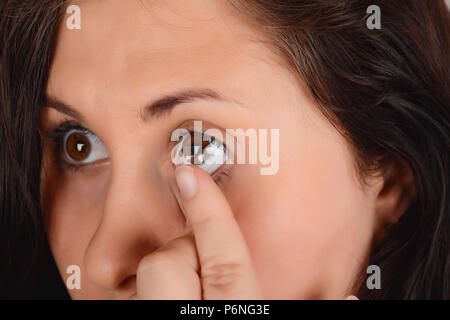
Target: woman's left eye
[201, 150]
[81, 147]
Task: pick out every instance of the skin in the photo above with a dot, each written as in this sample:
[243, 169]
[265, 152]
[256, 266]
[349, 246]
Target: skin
[304, 232]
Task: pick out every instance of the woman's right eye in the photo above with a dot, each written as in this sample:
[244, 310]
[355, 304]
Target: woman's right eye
[76, 146]
[82, 147]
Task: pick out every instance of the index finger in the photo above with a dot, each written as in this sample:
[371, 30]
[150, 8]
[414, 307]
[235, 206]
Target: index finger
[226, 266]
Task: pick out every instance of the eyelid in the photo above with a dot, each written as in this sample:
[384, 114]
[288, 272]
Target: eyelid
[63, 128]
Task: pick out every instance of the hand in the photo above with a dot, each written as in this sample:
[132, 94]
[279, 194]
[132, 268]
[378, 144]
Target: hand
[210, 260]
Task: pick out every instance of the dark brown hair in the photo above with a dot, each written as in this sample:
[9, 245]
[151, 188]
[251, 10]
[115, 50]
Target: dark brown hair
[386, 90]
[27, 32]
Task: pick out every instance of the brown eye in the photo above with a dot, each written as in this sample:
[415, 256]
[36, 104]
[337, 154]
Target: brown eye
[78, 146]
[82, 147]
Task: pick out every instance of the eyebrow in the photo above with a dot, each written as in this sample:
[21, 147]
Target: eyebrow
[62, 107]
[165, 105]
[155, 109]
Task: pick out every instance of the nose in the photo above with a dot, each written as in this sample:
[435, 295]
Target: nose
[139, 215]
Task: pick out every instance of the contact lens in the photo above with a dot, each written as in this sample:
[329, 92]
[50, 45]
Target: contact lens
[203, 151]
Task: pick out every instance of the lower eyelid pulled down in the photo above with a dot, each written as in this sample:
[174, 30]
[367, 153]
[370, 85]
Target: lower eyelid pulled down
[222, 175]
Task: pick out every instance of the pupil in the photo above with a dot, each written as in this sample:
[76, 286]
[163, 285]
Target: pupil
[78, 146]
[197, 153]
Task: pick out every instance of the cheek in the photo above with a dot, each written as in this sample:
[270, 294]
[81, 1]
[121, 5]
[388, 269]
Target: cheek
[308, 223]
[73, 204]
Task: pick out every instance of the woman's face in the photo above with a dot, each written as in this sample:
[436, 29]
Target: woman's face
[308, 227]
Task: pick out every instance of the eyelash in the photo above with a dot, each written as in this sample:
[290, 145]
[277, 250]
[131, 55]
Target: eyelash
[57, 135]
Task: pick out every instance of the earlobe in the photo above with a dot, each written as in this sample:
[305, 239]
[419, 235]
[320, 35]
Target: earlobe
[394, 196]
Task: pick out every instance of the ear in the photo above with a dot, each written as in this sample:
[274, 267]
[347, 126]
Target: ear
[395, 195]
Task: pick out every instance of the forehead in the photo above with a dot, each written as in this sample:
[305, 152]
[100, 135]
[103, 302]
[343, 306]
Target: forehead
[126, 46]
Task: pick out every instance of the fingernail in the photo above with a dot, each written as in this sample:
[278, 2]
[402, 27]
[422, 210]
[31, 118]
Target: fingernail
[187, 183]
[352, 298]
